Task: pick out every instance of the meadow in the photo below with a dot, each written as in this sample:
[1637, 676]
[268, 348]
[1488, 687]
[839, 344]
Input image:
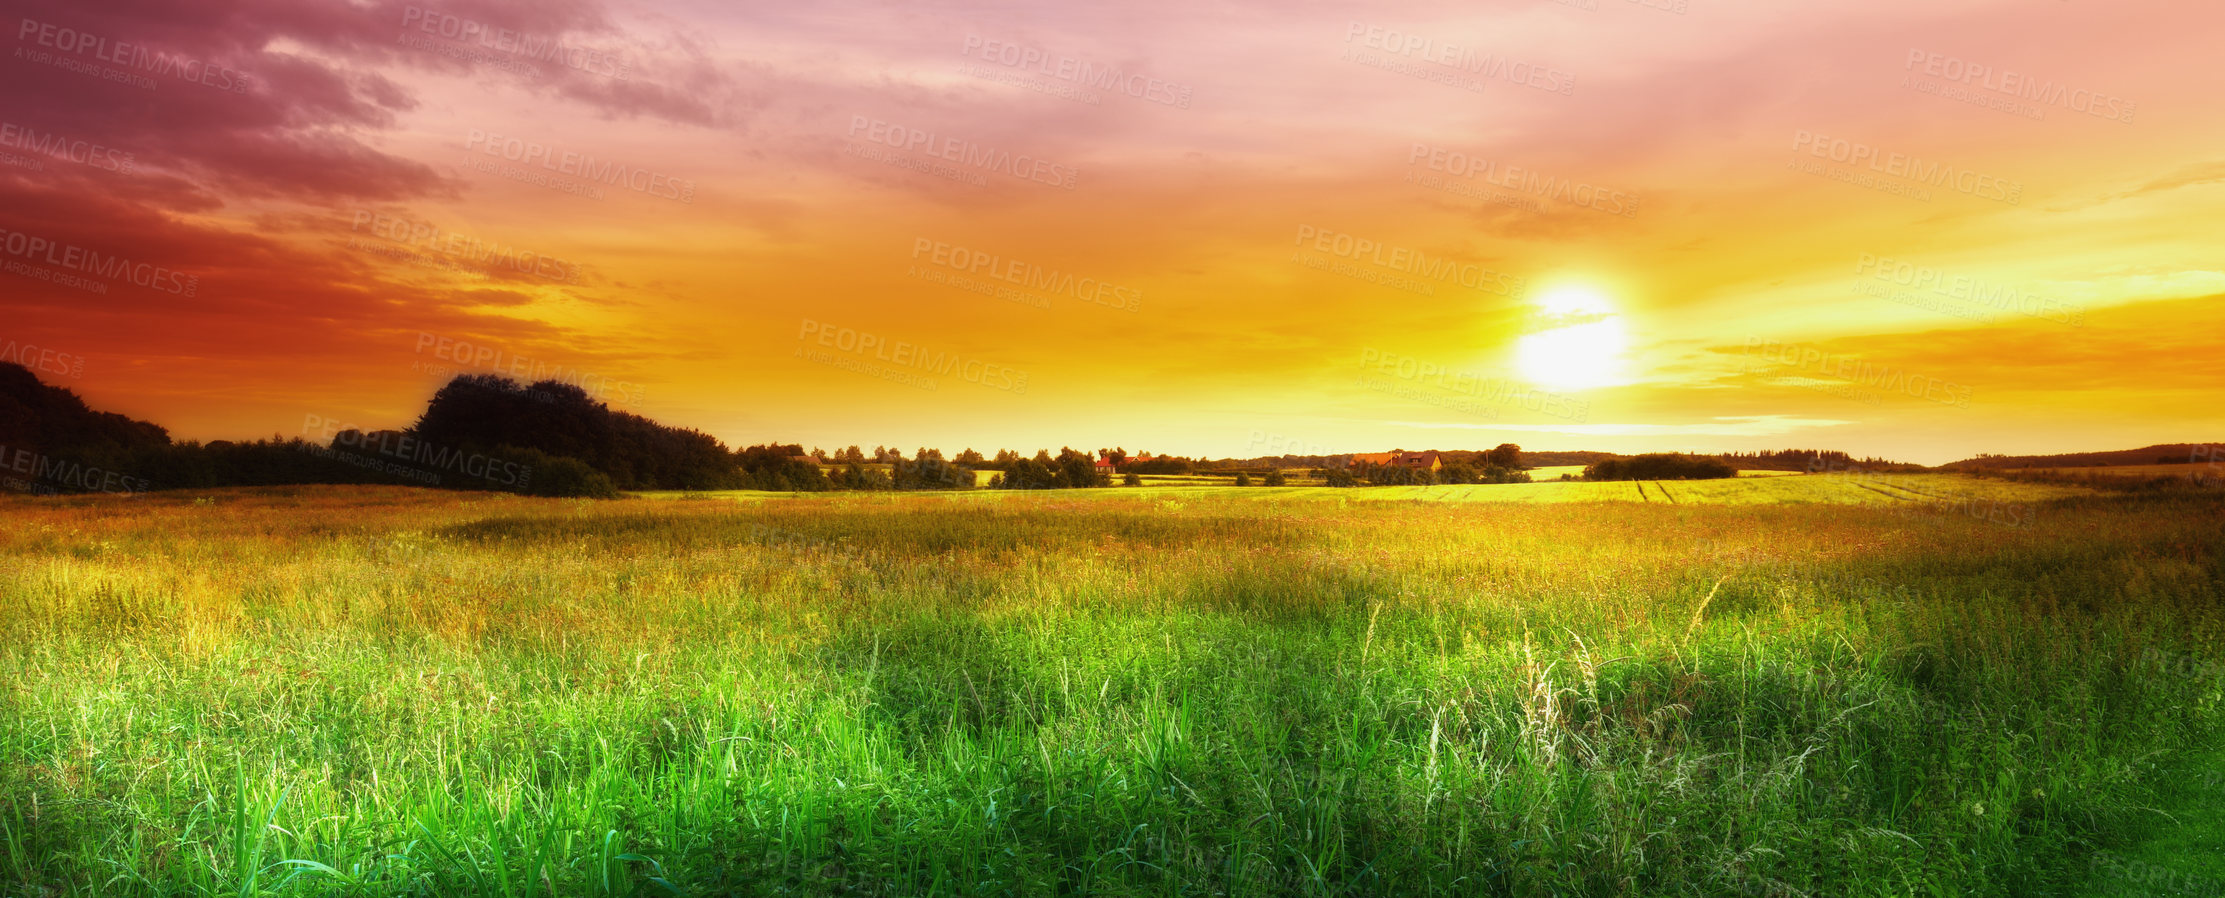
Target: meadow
[1783, 686]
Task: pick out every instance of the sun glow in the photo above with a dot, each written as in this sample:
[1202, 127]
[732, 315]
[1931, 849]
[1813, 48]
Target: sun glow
[1579, 342]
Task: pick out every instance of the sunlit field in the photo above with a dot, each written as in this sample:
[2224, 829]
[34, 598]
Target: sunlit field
[1766, 686]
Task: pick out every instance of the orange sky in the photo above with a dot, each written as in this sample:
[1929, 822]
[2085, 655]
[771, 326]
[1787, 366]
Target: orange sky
[1918, 230]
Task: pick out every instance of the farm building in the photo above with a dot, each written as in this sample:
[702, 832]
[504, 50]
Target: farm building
[1427, 461]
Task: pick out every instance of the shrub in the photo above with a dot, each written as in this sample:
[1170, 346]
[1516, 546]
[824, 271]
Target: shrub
[1399, 475]
[1660, 466]
[1496, 474]
[556, 475]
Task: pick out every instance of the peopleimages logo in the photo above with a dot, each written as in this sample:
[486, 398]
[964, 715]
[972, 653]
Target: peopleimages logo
[483, 356]
[1909, 494]
[1522, 180]
[44, 360]
[1927, 172]
[1027, 274]
[417, 454]
[1109, 79]
[78, 258]
[963, 152]
[1493, 389]
[586, 168]
[2021, 86]
[82, 152]
[181, 67]
[47, 470]
[466, 248]
[1985, 293]
[1411, 261]
[1810, 358]
[1464, 59]
[864, 348]
[537, 48]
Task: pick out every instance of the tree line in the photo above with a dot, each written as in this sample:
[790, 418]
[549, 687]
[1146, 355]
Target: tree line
[487, 432]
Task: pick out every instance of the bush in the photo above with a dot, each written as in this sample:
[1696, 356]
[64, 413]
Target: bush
[1131, 479]
[1399, 475]
[555, 475]
[1496, 474]
[857, 477]
[1276, 478]
[1243, 479]
[1339, 477]
[1661, 466]
[1029, 474]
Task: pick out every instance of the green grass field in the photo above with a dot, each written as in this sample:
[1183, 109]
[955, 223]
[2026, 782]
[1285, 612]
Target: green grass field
[1779, 686]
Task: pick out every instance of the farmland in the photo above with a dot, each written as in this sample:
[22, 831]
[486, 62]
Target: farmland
[1801, 685]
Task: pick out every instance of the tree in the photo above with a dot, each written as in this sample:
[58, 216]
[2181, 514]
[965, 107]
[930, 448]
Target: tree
[557, 476]
[1163, 464]
[1078, 469]
[1457, 474]
[1243, 479]
[1276, 478]
[1496, 474]
[1338, 477]
[1028, 474]
[1505, 455]
[971, 459]
[928, 471]
[476, 413]
[781, 468]
[859, 477]
[1398, 475]
[1131, 479]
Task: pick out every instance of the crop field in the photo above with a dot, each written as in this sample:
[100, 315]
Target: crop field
[2202, 471]
[1770, 686]
[1907, 492]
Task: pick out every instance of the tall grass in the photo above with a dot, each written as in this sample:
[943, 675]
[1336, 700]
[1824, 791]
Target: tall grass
[377, 691]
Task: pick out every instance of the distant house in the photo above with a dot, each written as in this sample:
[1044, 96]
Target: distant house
[1427, 461]
[1107, 466]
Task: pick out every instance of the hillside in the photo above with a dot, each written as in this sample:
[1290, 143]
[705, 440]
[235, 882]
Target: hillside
[2159, 454]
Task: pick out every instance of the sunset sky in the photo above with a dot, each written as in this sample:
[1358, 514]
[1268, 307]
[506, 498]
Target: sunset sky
[1920, 230]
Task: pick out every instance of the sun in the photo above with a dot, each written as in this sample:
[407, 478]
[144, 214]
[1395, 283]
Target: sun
[1580, 342]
